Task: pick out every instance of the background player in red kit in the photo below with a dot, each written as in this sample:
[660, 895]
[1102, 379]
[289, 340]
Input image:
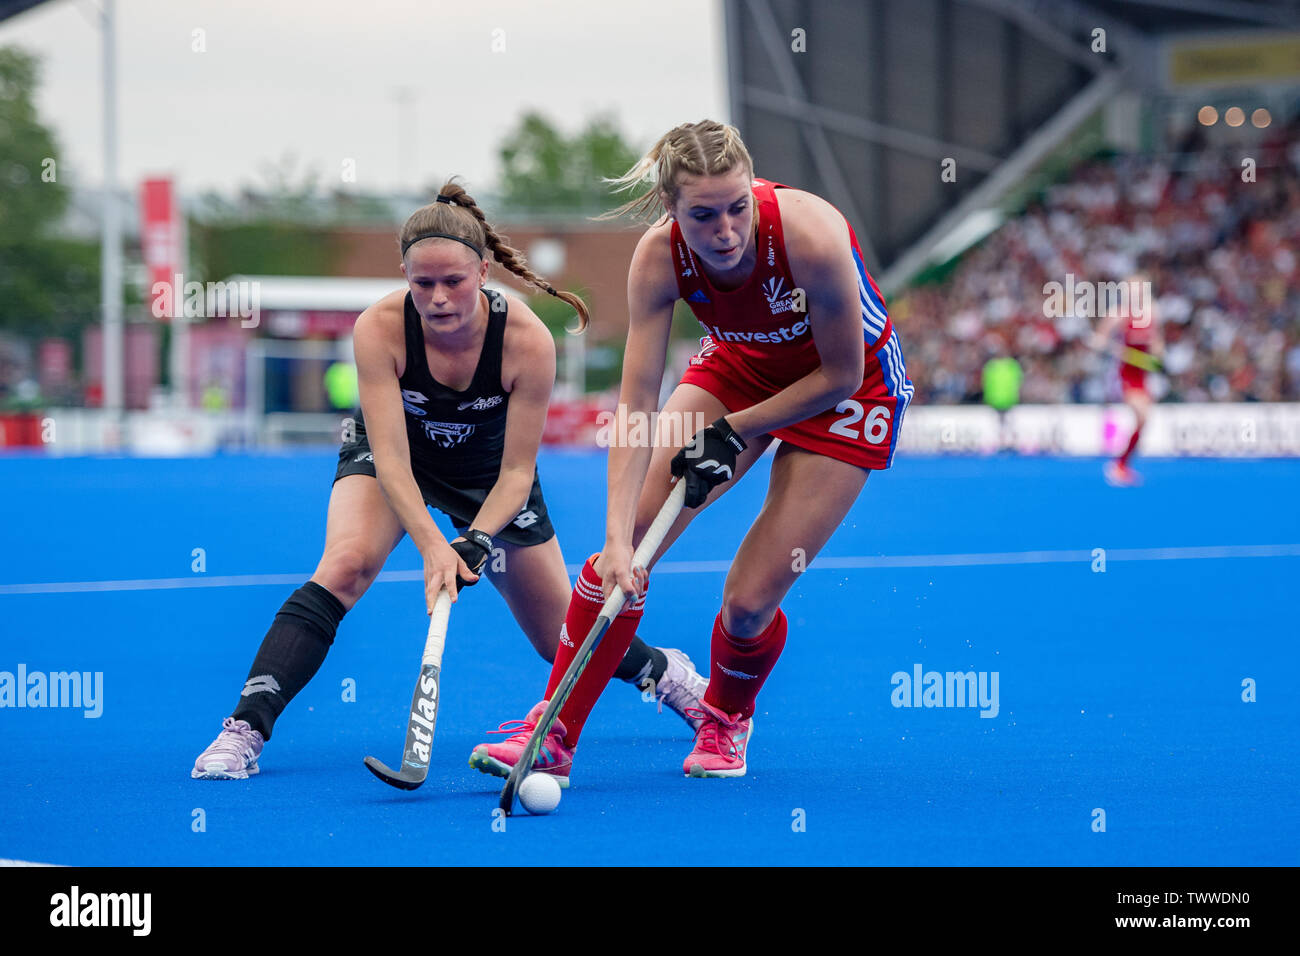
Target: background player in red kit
[801, 349]
[1141, 332]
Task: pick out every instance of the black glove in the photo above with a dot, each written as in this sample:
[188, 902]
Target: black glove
[474, 550]
[708, 460]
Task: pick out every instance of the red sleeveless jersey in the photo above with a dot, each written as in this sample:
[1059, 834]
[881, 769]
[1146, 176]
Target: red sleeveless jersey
[1138, 332]
[759, 343]
[765, 321]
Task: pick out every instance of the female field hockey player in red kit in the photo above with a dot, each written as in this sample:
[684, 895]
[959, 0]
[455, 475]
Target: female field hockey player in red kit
[454, 380]
[1141, 332]
[799, 348]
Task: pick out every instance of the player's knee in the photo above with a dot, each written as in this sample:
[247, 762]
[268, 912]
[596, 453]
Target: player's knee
[349, 569]
[745, 610]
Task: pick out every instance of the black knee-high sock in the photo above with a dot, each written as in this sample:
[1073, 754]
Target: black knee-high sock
[642, 662]
[291, 653]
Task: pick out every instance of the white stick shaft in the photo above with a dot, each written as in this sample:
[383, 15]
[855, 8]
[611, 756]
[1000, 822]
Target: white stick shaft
[437, 630]
[654, 536]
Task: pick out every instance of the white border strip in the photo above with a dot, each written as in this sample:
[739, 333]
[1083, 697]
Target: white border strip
[1208, 553]
[24, 863]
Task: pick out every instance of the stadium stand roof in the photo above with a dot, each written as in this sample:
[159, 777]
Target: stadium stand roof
[10, 8]
[861, 103]
[1179, 16]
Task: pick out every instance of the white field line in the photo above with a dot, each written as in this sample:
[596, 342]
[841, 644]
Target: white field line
[825, 563]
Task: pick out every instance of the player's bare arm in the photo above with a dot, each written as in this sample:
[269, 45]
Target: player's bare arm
[651, 294]
[1105, 330]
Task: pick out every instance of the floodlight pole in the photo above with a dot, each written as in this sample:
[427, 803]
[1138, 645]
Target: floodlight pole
[110, 254]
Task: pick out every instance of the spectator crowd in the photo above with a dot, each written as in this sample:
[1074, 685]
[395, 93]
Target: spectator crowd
[1217, 230]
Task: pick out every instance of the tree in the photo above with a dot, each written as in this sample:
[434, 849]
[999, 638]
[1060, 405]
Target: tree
[27, 203]
[47, 285]
[545, 171]
[282, 225]
[261, 246]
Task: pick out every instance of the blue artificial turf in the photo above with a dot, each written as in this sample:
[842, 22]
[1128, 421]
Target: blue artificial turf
[1118, 690]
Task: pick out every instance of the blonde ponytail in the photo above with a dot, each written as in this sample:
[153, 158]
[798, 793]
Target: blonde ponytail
[706, 148]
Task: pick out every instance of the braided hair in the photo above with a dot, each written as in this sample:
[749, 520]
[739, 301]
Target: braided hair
[457, 214]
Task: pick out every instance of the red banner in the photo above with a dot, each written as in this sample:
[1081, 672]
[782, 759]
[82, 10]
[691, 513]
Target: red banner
[54, 364]
[160, 241]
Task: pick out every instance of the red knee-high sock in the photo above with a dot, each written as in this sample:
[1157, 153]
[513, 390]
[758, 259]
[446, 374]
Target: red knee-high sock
[741, 666]
[1132, 444]
[584, 608]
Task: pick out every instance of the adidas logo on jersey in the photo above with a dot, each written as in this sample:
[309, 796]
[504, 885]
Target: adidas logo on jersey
[481, 404]
[698, 296]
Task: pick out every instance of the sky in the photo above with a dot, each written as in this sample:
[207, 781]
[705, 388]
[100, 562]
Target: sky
[216, 94]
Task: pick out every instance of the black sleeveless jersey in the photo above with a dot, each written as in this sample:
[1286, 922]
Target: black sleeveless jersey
[458, 436]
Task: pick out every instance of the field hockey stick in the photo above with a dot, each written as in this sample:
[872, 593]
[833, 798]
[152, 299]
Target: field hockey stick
[424, 707]
[1143, 360]
[1131, 356]
[654, 537]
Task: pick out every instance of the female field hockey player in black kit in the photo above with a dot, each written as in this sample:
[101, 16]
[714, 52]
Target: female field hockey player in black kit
[454, 383]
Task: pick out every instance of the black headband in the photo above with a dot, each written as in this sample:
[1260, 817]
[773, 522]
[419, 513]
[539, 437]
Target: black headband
[441, 235]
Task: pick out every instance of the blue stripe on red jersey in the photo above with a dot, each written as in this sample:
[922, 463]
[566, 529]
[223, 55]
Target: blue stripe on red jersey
[874, 314]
